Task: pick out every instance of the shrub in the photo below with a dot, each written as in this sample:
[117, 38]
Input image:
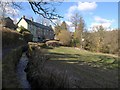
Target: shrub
[39, 76]
[21, 29]
[11, 38]
[27, 36]
[65, 37]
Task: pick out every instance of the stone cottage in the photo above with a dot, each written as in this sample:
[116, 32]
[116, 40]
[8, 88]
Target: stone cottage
[40, 32]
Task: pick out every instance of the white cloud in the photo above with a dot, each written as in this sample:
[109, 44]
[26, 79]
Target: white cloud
[72, 29]
[71, 11]
[106, 23]
[72, 8]
[56, 21]
[102, 20]
[85, 6]
[81, 6]
[68, 23]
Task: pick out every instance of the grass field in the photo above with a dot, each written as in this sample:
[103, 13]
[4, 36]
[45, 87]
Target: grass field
[74, 67]
[83, 68]
[75, 55]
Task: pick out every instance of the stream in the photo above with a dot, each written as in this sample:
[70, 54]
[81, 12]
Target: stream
[21, 73]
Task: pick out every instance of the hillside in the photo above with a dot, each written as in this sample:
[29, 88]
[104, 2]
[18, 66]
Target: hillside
[67, 67]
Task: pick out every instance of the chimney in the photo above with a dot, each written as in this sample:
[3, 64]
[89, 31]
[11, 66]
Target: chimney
[32, 19]
[23, 17]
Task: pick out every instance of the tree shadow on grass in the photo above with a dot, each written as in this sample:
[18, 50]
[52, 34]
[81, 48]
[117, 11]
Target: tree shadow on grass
[90, 60]
[61, 55]
[76, 66]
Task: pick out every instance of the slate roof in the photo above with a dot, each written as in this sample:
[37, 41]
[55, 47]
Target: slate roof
[8, 22]
[36, 24]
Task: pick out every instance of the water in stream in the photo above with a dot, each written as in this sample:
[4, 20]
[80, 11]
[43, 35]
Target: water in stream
[21, 73]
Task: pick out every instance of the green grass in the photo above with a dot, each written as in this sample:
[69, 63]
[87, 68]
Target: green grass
[72, 55]
[78, 66]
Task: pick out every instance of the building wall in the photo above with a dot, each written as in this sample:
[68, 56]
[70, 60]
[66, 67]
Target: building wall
[33, 30]
[49, 34]
[37, 31]
[23, 23]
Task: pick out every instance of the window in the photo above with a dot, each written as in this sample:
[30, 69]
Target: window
[44, 32]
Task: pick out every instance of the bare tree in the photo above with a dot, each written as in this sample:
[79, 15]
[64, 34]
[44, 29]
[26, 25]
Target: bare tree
[79, 24]
[75, 20]
[2, 9]
[43, 20]
[9, 9]
[44, 8]
[81, 28]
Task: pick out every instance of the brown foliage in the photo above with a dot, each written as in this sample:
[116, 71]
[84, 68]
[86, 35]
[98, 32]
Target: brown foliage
[65, 37]
[102, 41]
[41, 77]
[27, 36]
[11, 38]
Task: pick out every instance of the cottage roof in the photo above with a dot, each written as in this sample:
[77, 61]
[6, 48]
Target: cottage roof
[8, 22]
[36, 24]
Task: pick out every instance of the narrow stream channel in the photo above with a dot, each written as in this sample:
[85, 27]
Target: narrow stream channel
[21, 73]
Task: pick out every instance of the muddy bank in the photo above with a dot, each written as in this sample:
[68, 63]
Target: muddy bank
[13, 45]
[9, 64]
[40, 77]
[44, 73]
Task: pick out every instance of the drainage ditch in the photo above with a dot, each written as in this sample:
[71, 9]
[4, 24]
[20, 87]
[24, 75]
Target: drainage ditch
[21, 73]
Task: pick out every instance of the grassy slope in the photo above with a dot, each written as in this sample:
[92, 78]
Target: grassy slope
[73, 55]
[82, 67]
[78, 67]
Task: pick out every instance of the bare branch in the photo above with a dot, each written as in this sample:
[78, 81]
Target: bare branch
[45, 9]
[16, 5]
[42, 9]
